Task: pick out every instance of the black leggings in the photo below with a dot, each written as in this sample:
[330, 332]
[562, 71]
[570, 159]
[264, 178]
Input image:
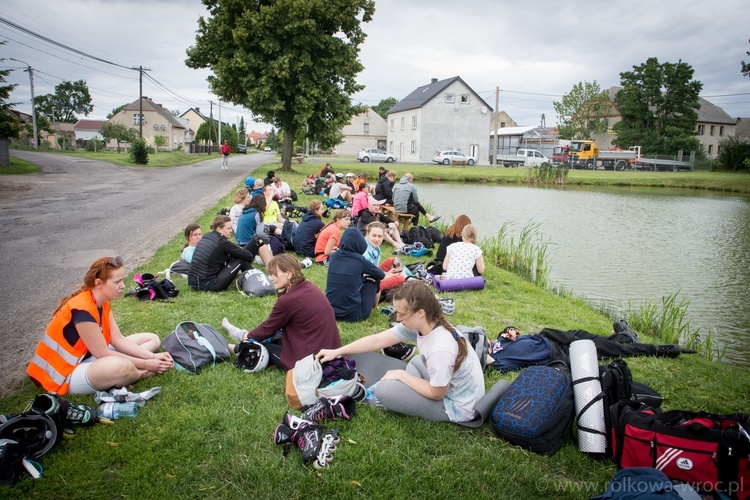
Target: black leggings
[225, 277]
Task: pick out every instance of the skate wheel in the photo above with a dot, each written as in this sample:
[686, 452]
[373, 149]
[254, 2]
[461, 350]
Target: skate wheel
[336, 440]
[332, 447]
[318, 466]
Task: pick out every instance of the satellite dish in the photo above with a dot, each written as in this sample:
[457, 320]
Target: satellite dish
[156, 126]
[484, 109]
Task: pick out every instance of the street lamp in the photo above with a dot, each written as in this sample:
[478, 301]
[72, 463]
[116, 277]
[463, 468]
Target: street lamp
[33, 106]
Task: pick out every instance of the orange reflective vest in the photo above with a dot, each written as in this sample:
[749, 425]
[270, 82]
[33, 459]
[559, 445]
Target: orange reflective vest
[54, 358]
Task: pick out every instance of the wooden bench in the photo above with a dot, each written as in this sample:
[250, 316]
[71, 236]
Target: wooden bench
[298, 159]
[459, 163]
[388, 211]
[403, 221]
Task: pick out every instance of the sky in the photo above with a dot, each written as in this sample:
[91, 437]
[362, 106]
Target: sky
[533, 51]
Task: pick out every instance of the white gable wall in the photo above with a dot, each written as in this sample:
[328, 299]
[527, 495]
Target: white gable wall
[357, 138]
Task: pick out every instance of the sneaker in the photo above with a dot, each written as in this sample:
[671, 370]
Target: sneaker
[401, 351]
[668, 351]
[622, 327]
[435, 219]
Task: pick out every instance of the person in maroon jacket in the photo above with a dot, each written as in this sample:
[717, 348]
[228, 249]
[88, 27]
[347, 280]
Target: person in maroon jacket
[302, 314]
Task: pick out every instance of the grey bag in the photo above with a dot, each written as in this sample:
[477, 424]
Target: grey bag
[477, 339]
[254, 283]
[194, 345]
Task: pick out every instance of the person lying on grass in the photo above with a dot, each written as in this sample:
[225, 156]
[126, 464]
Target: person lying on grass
[444, 382]
[83, 350]
[512, 352]
[302, 313]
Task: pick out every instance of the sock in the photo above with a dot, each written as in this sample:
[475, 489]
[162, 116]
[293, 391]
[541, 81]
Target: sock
[234, 332]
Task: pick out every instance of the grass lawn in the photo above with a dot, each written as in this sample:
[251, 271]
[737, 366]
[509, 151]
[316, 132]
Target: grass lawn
[210, 435]
[19, 166]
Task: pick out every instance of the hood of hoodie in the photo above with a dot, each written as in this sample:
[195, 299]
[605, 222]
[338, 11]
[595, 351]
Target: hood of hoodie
[353, 241]
[404, 180]
[309, 216]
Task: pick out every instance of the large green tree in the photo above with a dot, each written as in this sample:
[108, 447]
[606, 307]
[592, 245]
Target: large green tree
[659, 105]
[746, 66]
[9, 126]
[384, 105]
[69, 99]
[581, 112]
[118, 132]
[293, 63]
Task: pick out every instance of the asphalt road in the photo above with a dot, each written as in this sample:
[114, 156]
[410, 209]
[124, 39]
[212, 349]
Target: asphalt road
[55, 223]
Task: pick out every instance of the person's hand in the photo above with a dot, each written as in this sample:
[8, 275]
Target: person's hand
[325, 355]
[393, 271]
[159, 364]
[394, 375]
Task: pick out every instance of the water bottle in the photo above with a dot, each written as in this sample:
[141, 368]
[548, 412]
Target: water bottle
[113, 411]
[370, 398]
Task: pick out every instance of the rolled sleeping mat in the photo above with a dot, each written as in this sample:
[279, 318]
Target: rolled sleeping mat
[584, 369]
[456, 285]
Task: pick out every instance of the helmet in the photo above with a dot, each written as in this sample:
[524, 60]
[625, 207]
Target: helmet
[339, 175]
[252, 356]
[250, 183]
[350, 174]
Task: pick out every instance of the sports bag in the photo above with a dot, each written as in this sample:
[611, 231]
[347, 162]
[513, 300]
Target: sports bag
[537, 409]
[477, 339]
[309, 380]
[195, 345]
[707, 450]
[419, 234]
[254, 283]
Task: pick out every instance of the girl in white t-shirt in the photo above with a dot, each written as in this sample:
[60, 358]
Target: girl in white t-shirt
[463, 257]
[444, 382]
[241, 201]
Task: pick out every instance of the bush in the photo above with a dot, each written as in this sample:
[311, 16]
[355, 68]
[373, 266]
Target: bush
[139, 152]
[734, 153]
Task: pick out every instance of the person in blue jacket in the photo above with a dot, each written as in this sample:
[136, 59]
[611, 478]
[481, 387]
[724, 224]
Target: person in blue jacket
[308, 229]
[251, 233]
[353, 285]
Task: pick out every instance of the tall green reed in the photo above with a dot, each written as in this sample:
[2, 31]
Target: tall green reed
[524, 255]
[547, 174]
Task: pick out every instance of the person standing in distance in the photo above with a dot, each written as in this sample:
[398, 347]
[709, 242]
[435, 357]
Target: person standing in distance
[225, 149]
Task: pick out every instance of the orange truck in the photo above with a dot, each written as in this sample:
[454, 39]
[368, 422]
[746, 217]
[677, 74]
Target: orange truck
[586, 154]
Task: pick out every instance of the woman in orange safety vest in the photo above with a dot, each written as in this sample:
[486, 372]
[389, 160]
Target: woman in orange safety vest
[83, 350]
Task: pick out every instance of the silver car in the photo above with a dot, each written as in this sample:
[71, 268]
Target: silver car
[448, 157]
[375, 154]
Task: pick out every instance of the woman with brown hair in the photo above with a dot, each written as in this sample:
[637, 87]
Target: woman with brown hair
[452, 235]
[302, 313]
[83, 350]
[444, 382]
[330, 235]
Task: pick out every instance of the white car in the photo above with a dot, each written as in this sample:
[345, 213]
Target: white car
[375, 154]
[448, 157]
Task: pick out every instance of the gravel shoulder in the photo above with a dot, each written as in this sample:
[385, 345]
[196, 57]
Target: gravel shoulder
[54, 223]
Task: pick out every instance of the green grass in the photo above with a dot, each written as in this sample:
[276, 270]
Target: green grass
[161, 159]
[211, 434]
[19, 166]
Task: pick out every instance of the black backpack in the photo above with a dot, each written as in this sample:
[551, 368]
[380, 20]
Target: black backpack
[419, 234]
[536, 412]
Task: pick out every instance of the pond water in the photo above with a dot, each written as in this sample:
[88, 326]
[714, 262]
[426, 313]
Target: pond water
[614, 245]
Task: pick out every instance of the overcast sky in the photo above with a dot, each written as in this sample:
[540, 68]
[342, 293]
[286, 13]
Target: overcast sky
[534, 51]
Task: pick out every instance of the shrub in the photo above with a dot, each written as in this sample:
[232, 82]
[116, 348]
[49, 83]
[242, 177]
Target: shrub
[734, 153]
[139, 152]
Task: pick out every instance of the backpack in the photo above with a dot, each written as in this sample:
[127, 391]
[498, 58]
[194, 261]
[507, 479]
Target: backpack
[254, 283]
[435, 234]
[536, 411]
[639, 482]
[195, 345]
[477, 340]
[335, 203]
[421, 235]
[309, 380]
[150, 288]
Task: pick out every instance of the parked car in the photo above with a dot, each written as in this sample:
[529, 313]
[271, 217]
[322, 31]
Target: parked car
[267, 149]
[448, 157]
[241, 148]
[375, 154]
[523, 158]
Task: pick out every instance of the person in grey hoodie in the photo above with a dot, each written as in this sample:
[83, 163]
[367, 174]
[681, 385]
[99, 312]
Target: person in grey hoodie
[353, 284]
[406, 200]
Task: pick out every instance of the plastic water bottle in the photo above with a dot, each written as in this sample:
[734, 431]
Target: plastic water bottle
[113, 411]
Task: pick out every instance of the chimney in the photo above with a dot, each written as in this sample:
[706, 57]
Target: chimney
[434, 80]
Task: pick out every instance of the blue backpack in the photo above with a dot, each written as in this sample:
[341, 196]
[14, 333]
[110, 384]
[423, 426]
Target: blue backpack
[335, 203]
[536, 411]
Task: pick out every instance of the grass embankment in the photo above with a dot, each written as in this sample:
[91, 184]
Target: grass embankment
[161, 159]
[18, 166]
[211, 434]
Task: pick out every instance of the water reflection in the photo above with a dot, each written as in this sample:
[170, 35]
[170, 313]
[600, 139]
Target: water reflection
[614, 245]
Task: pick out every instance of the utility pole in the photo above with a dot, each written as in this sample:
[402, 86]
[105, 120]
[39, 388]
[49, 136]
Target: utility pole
[210, 125]
[219, 104]
[497, 113]
[140, 102]
[33, 105]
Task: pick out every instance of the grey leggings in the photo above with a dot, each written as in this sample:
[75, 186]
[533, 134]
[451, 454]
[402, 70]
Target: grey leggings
[396, 396]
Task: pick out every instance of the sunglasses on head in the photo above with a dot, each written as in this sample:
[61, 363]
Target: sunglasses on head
[116, 262]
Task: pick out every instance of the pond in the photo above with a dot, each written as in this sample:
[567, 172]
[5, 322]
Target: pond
[612, 246]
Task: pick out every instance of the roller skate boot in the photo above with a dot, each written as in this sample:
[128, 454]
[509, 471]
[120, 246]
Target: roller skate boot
[334, 408]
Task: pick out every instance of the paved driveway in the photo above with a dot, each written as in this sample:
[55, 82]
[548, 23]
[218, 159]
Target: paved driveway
[55, 223]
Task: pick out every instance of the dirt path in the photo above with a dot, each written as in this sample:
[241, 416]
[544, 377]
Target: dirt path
[53, 224]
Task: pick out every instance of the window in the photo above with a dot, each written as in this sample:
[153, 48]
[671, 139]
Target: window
[137, 119]
[710, 149]
[464, 98]
[718, 150]
[367, 128]
[390, 148]
[721, 131]
[701, 129]
[712, 130]
[393, 124]
[449, 98]
[413, 146]
[403, 122]
[414, 122]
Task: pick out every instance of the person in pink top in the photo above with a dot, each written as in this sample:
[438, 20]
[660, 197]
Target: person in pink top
[361, 199]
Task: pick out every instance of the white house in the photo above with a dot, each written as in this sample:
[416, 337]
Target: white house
[87, 130]
[445, 114]
[366, 130]
[155, 120]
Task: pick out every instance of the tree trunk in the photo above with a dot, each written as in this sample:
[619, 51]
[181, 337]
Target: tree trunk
[4, 153]
[286, 148]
